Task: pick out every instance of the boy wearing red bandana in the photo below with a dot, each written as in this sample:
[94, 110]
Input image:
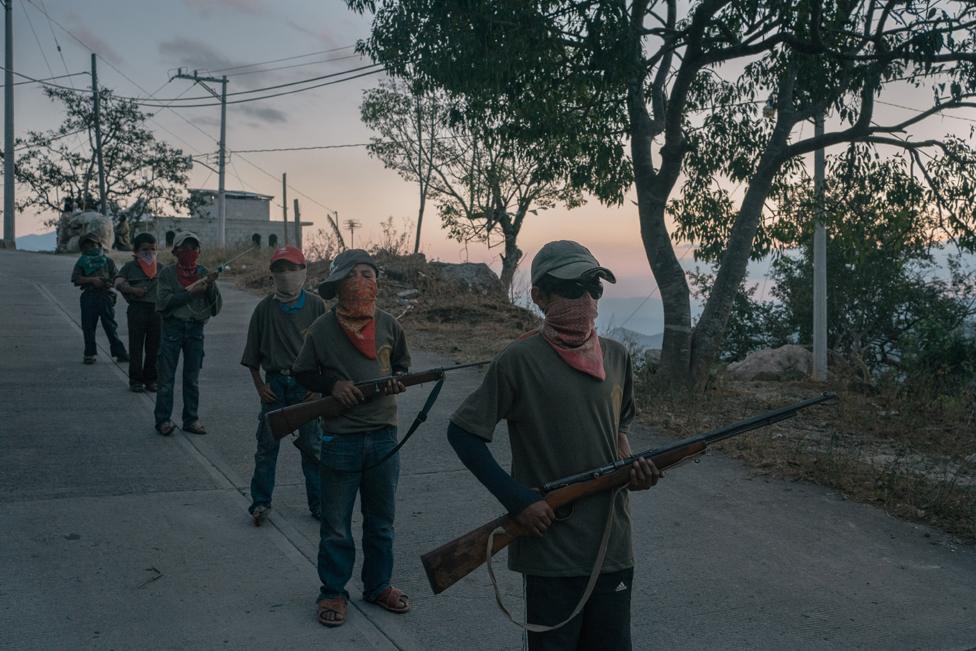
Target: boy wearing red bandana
[186, 299]
[137, 282]
[567, 396]
[352, 343]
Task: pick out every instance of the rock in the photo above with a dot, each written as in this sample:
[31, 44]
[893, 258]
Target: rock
[72, 226]
[790, 362]
[408, 294]
[404, 268]
[469, 276]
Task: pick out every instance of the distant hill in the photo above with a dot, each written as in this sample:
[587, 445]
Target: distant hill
[640, 340]
[38, 242]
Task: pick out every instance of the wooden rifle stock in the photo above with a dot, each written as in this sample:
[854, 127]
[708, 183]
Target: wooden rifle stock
[287, 419]
[454, 560]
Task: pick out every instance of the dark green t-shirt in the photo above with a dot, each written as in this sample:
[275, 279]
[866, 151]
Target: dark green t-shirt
[174, 302]
[133, 274]
[560, 422]
[327, 350]
[274, 337]
[106, 273]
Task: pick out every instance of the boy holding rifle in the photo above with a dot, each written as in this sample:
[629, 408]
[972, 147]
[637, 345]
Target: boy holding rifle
[186, 298]
[93, 273]
[137, 282]
[567, 396]
[355, 342]
[274, 337]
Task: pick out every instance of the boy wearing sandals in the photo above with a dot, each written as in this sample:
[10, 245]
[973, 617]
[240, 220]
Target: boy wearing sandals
[274, 336]
[567, 396]
[352, 343]
[186, 299]
[93, 273]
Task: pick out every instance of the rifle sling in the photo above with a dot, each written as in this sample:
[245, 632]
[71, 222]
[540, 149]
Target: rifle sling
[590, 584]
[421, 417]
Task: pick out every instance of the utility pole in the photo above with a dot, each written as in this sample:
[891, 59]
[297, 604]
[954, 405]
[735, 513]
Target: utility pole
[352, 225]
[284, 203]
[298, 226]
[221, 165]
[102, 207]
[9, 224]
[819, 262]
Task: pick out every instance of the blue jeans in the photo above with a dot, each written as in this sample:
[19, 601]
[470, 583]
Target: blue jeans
[343, 458]
[289, 392]
[186, 337]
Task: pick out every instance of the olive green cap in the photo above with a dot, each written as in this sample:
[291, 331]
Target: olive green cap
[567, 260]
[183, 237]
[341, 267]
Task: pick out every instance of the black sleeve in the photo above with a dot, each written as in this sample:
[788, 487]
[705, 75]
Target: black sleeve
[473, 452]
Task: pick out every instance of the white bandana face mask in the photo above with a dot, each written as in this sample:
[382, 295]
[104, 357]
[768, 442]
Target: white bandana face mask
[288, 284]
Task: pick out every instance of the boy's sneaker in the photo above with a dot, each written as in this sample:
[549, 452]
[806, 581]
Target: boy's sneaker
[259, 514]
[151, 387]
[89, 359]
[137, 387]
[123, 358]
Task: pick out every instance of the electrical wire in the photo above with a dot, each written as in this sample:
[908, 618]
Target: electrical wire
[289, 58]
[31, 80]
[297, 65]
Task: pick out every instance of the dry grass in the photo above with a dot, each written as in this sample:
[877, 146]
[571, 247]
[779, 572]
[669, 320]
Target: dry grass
[914, 460]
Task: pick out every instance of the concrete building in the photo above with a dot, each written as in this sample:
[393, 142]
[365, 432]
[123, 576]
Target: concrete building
[248, 221]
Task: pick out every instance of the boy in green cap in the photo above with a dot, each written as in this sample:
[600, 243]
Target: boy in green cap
[274, 337]
[567, 395]
[186, 298]
[93, 273]
[352, 343]
[137, 282]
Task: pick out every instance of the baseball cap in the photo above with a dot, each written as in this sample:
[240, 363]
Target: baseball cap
[567, 260]
[341, 267]
[289, 253]
[92, 236]
[183, 237]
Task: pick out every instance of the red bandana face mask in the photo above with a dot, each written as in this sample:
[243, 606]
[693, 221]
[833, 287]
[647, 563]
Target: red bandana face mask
[147, 262]
[357, 306]
[570, 330]
[186, 266]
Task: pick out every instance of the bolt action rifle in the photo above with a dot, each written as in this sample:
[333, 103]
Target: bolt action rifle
[456, 559]
[224, 266]
[287, 419]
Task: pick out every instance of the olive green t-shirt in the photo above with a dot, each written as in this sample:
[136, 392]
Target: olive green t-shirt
[106, 273]
[174, 302]
[560, 422]
[327, 350]
[133, 274]
[274, 336]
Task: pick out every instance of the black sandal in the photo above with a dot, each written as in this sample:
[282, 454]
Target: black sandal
[194, 428]
[165, 428]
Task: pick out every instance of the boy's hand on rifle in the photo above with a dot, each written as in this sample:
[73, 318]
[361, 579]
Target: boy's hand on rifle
[643, 475]
[536, 518]
[198, 286]
[393, 387]
[265, 392]
[347, 393]
[96, 282]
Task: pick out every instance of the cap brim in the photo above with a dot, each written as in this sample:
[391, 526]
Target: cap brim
[575, 270]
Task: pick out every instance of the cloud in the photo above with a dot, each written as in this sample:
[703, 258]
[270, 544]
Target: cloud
[264, 114]
[207, 7]
[194, 54]
[93, 41]
[318, 35]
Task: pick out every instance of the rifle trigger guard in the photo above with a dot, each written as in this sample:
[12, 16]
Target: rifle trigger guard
[568, 509]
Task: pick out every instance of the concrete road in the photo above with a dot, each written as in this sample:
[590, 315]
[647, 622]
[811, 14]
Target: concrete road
[117, 538]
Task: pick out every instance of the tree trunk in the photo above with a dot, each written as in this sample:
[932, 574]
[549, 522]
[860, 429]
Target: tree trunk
[420, 219]
[653, 189]
[710, 330]
[510, 260]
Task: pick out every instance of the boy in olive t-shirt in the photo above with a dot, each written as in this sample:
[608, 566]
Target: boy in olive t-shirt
[137, 282]
[567, 395]
[274, 337]
[352, 343]
[93, 273]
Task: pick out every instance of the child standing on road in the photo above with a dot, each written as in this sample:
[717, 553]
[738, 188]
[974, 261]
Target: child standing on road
[274, 337]
[352, 343]
[93, 273]
[137, 282]
[186, 298]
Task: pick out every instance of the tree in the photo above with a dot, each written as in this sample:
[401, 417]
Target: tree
[484, 182]
[583, 75]
[142, 174]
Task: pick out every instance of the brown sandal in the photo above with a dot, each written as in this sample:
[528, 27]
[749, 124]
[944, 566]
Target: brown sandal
[336, 607]
[391, 599]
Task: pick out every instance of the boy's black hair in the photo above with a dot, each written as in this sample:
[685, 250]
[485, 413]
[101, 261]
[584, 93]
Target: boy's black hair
[571, 288]
[143, 238]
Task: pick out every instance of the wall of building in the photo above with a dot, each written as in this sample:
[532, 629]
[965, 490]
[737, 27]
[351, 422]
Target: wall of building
[255, 208]
[239, 232]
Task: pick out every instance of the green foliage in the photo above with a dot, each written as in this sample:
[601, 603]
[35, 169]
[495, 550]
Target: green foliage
[142, 174]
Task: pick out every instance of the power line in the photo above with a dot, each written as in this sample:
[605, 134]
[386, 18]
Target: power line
[308, 148]
[290, 58]
[31, 80]
[37, 39]
[297, 65]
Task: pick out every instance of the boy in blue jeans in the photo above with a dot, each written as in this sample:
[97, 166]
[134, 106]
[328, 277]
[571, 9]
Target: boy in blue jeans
[93, 273]
[274, 337]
